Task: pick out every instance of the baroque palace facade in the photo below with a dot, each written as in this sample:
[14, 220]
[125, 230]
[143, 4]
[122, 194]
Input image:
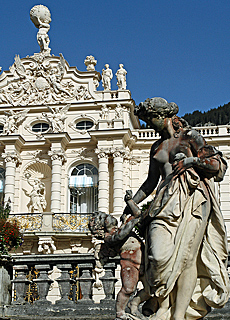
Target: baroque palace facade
[68, 149]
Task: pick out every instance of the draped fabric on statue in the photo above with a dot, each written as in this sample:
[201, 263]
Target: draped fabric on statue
[177, 221]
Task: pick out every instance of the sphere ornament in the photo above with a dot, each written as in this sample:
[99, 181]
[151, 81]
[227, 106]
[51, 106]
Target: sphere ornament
[40, 13]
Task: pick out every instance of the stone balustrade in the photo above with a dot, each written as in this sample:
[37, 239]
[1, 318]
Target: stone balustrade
[205, 131]
[32, 282]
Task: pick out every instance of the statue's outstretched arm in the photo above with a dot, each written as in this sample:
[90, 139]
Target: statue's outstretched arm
[121, 233]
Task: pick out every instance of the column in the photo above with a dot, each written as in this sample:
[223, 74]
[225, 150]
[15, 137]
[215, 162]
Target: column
[57, 158]
[118, 201]
[103, 177]
[11, 161]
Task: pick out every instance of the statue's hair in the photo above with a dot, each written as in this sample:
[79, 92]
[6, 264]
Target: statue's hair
[99, 222]
[159, 108]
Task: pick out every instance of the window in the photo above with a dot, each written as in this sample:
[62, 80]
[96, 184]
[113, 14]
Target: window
[83, 186]
[40, 127]
[84, 125]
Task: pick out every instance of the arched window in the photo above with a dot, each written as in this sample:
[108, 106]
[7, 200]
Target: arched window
[83, 184]
[2, 185]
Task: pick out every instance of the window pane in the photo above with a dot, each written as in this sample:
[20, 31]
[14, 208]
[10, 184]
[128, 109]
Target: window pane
[40, 127]
[84, 125]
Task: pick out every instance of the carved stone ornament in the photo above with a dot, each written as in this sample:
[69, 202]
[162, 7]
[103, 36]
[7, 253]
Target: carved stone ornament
[11, 157]
[46, 245]
[12, 120]
[104, 113]
[90, 63]
[56, 118]
[119, 111]
[40, 80]
[57, 155]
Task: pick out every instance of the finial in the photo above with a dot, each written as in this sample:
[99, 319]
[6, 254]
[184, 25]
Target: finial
[41, 17]
[90, 63]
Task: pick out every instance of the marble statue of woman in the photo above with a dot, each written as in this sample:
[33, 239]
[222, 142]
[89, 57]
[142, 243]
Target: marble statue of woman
[107, 76]
[121, 77]
[186, 246]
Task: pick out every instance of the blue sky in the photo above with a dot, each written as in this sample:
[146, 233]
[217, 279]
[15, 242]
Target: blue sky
[179, 50]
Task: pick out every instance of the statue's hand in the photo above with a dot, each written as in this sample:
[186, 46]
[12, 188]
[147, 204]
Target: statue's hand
[180, 166]
[126, 213]
[128, 195]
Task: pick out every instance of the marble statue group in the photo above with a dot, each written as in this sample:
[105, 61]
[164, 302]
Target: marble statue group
[177, 245]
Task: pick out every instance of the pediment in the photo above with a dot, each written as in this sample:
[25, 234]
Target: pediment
[42, 80]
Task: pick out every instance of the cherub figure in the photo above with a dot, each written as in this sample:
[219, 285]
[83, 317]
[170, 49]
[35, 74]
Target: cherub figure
[121, 241]
[57, 118]
[56, 75]
[12, 120]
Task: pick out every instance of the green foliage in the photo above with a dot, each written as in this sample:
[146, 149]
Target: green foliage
[217, 116]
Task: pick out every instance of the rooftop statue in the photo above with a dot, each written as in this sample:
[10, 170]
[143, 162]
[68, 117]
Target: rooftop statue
[41, 17]
[121, 77]
[107, 76]
[185, 251]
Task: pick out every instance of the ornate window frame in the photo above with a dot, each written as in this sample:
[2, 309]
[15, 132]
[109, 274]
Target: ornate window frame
[82, 117]
[30, 125]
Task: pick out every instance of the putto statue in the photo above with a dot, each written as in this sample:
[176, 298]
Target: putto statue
[121, 77]
[12, 120]
[37, 195]
[107, 76]
[41, 17]
[185, 252]
[57, 118]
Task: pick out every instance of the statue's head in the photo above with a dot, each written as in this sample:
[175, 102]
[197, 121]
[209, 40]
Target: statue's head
[100, 223]
[155, 110]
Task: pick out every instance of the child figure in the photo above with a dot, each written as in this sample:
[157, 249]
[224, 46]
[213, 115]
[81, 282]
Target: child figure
[127, 244]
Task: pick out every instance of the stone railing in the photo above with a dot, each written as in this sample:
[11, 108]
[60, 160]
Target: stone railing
[206, 131]
[57, 222]
[33, 281]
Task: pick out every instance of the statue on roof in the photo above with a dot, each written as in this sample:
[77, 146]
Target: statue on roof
[41, 17]
[107, 76]
[121, 77]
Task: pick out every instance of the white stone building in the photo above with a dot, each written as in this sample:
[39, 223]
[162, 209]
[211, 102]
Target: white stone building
[68, 149]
